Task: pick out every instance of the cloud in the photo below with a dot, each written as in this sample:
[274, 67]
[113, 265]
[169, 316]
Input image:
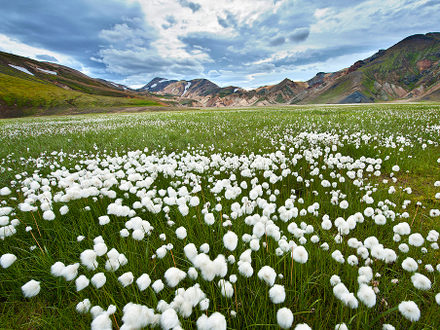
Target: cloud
[277, 41]
[44, 57]
[239, 42]
[299, 34]
[191, 5]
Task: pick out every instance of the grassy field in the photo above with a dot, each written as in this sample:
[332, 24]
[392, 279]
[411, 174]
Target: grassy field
[267, 197]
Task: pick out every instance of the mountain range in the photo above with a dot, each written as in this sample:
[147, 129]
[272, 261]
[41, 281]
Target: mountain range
[407, 71]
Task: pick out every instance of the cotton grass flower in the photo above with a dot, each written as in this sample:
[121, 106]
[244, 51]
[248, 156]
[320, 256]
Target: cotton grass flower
[31, 289]
[421, 282]
[83, 306]
[300, 254]
[102, 322]
[143, 282]
[173, 276]
[277, 294]
[245, 269]
[98, 280]
[302, 326]
[226, 288]
[410, 265]
[181, 233]
[409, 310]
[70, 272]
[81, 282]
[57, 269]
[88, 259]
[7, 260]
[215, 321]
[366, 295]
[284, 318]
[169, 319]
[103, 220]
[267, 274]
[126, 279]
[230, 240]
[416, 239]
[158, 286]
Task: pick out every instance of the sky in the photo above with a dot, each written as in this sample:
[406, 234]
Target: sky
[246, 43]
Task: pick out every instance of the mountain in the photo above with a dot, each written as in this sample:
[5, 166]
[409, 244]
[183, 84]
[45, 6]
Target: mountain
[409, 70]
[32, 87]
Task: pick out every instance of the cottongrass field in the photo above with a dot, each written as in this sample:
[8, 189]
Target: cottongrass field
[322, 217]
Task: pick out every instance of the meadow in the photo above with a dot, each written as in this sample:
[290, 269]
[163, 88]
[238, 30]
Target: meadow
[322, 217]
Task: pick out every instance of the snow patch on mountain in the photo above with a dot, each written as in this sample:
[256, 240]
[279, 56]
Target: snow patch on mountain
[188, 84]
[20, 68]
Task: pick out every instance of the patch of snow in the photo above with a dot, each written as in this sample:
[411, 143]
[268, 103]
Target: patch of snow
[47, 71]
[116, 85]
[20, 68]
[154, 85]
[188, 84]
[235, 90]
[162, 80]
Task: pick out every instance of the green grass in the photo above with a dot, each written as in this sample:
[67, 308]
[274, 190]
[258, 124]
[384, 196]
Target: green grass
[20, 97]
[228, 133]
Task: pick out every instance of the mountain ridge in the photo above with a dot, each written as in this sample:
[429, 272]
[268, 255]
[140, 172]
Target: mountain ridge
[408, 70]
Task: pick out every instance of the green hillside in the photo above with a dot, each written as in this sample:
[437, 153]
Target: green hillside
[50, 88]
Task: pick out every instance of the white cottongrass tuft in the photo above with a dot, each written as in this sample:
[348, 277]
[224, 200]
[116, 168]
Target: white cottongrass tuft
[230, 240]
[409, 310]
[421, 282]
[226, 288]
[410, 265]
[31, 289]
[143, 282]
[64, 210]
[70, 272]
[83, 306]
[245, 269]
[268, 275]
[173, 276]
[216, 321]
[181, 233]
[88, 259]
[81, 282]
[57, 269]
[126, 279]
[437, 298]
[7, 260]
[300, 254]
[303, 326]
[169, 319]
[284, 318]
[366, 295]
[416, 239]
[103, 220]
[102, 322]
[158, 286]
[277, 294]
[98, 280]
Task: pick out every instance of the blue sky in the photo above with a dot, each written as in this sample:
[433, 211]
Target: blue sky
[247, 43]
